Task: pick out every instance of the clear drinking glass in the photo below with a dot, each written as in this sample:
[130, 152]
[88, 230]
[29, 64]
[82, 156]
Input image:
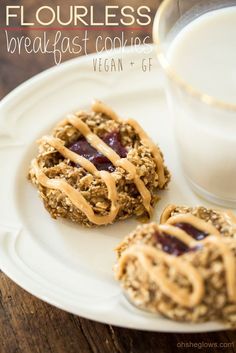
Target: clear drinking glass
[205, 127]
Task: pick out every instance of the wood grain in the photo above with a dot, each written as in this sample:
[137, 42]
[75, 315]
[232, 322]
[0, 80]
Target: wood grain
[30, 325]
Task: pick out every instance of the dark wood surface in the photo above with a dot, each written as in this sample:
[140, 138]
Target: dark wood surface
[30, 325]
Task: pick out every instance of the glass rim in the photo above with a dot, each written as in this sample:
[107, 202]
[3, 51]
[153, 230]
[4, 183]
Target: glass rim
[187, 87]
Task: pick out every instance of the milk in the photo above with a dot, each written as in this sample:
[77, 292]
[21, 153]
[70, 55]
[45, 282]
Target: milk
[203, 54]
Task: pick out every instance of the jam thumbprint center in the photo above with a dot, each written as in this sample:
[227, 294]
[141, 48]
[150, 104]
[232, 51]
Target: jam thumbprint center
[170, 244]
[195, 233]
[174, 246]
[112, 139]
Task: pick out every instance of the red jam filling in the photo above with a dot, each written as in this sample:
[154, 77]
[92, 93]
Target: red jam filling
[192, 231]
[171, 244]
[112, 139]
[176, 247]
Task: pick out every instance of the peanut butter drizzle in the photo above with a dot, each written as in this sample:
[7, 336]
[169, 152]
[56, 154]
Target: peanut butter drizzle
[68, 154]
[153, 148]
[196, 222]
[143, 252]
[166, 213]
[146, 255]
[177, 233]
[115, 159]
[87, 165]
[227, 255]
[229, 264]
[77, 198]
[100, 107]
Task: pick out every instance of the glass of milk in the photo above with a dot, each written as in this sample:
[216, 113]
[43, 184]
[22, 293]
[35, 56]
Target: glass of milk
[196, 44]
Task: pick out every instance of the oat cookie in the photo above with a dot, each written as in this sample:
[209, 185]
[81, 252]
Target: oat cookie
[96, 168]
[184, 268]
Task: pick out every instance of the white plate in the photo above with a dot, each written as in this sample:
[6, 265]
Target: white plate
[57, 261]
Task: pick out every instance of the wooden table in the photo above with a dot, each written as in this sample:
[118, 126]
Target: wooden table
[29, 325]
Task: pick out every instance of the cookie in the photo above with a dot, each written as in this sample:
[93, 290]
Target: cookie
[96, 168]
[184, 268]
